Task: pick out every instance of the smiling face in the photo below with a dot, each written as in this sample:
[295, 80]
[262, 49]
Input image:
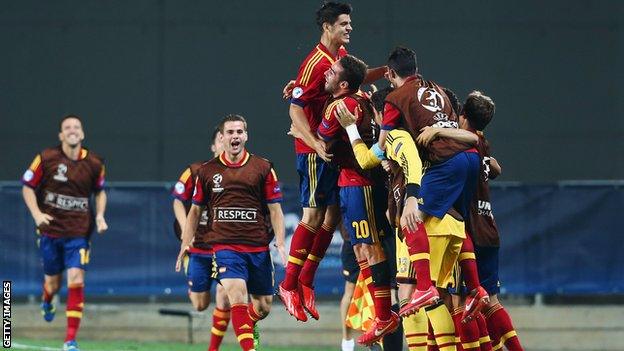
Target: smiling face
[332, 78]
[234, 137]
[339, 31]
[71, 133]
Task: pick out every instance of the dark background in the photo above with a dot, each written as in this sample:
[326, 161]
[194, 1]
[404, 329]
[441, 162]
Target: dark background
[152, 78]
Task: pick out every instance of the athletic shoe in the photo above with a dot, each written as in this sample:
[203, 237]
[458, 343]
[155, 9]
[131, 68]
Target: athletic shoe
[256, 336]
[290, 299]
[475, 301]
[419, 299]
[48, 311]
[70, 345]
[379, 329]
[309, 300]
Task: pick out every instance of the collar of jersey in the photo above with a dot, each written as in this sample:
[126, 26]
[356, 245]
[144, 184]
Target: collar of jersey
[326, 52]
[242, 162]
[82, 156]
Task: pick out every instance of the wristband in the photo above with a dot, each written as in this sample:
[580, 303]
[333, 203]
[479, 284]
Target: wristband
[378, 152]
[353, 133]
[412, 190]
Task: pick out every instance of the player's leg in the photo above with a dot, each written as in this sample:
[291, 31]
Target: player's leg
[477, 297]
[499, 323]
[220, 318]
[387, 236]
[199, 272]
[233, 274]
[350, 272]
[51, 251]
[76, 258]
[466, 334]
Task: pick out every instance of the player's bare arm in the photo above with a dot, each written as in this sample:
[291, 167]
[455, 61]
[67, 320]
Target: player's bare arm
[495, 168]
[288, 88]
[301, 124]
[30, 199]
[179, 212]
[374, 74]
[100, 208]
[188, 231]
[429, 134]
[277, 222]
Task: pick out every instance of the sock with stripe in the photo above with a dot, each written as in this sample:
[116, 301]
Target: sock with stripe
[75, 304]
[321, 242]
[468, 263]
[418, 248]
[300, 245]
[254, 314]
[468, 333]
[484, 336]
[243, 326]
[394, 340]
[416, 328]
[220, 321]
[380, 273]
[443, 327]
[46, 296]
[501, 329]
[431, 341]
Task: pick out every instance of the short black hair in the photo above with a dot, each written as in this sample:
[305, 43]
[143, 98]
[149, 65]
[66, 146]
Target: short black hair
[455, 104]
[66, 117]
[231, 118]
[378, 99]
[353, 71]
[215, 132]
[330, 11]
[478, 110]
[403, 61]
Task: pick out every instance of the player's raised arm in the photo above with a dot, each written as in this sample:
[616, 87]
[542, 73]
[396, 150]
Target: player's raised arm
[366, 158]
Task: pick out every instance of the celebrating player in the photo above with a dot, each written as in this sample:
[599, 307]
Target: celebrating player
[243, 197]
[57, 189]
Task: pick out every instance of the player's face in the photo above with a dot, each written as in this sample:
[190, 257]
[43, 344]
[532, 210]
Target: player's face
[234, 137]
[71, 132]
[340, 31]
[332, 78]
[217, 145]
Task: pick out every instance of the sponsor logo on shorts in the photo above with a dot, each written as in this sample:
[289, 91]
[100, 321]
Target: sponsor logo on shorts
[235, 214]
[66, 202]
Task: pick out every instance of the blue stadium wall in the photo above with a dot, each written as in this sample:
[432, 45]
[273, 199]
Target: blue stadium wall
[559, 238]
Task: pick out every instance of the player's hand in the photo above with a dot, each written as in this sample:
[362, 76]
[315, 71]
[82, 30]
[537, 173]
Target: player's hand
[373, 90]
[294, 132]
[183, 251]
[320, 148]
[288, 88]
[100, 224]
[344, 116]
[281, 249]
[42, 219]
[427, 135]
[385, 164]
[411, 215]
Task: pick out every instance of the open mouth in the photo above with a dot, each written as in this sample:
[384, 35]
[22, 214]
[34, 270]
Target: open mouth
[235, 144]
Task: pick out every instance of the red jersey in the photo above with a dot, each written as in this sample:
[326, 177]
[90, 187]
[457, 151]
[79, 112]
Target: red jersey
[183, 191]
[351, 174]
[236, 196]
[63, 188]
[309, 91]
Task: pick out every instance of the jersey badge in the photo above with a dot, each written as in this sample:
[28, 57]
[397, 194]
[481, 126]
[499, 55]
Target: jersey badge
[179, 188]
[60, 173]
[432, 101]
[297, 92]
[216, 183]
[28, 175]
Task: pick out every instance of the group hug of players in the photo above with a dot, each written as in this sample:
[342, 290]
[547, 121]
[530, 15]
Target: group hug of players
[409, 159]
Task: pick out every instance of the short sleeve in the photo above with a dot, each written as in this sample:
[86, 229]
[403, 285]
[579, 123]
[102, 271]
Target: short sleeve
[272, 191]
[199, 197]
[32, 176]
[184, 187]
[101, 179]
[391, 116]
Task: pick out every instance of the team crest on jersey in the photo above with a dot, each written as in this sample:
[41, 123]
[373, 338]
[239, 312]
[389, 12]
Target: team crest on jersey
[216, 183]
[431, 99]
[297, 92]
[60, 173]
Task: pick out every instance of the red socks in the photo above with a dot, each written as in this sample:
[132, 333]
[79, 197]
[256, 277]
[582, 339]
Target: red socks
[468, 332]
[468, 263]
[243, 326]
[418, 248]
[300, 245]
[501, 329]
[220, 321]
[75, 303]
[317, 252]
[484, 336]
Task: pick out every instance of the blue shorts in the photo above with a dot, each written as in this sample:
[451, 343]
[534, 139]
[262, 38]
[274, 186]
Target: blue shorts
[451, 183]
[59, 254]
[254, 267]
[318, 181]
[200, 272]
[362, 214]
[487, 266]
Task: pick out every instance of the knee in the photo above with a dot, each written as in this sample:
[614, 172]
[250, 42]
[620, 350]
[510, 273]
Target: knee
[52, 287]
[264, 309]
[200, 304]
[313, 217]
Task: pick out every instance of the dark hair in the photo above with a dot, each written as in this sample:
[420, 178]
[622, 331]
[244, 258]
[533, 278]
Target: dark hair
[330, 11]
[455, 104]
[66, 117]
[478, 110]
[231, 118]
[378, 99]
[353, 71]
[403, 61]
[215, 132]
